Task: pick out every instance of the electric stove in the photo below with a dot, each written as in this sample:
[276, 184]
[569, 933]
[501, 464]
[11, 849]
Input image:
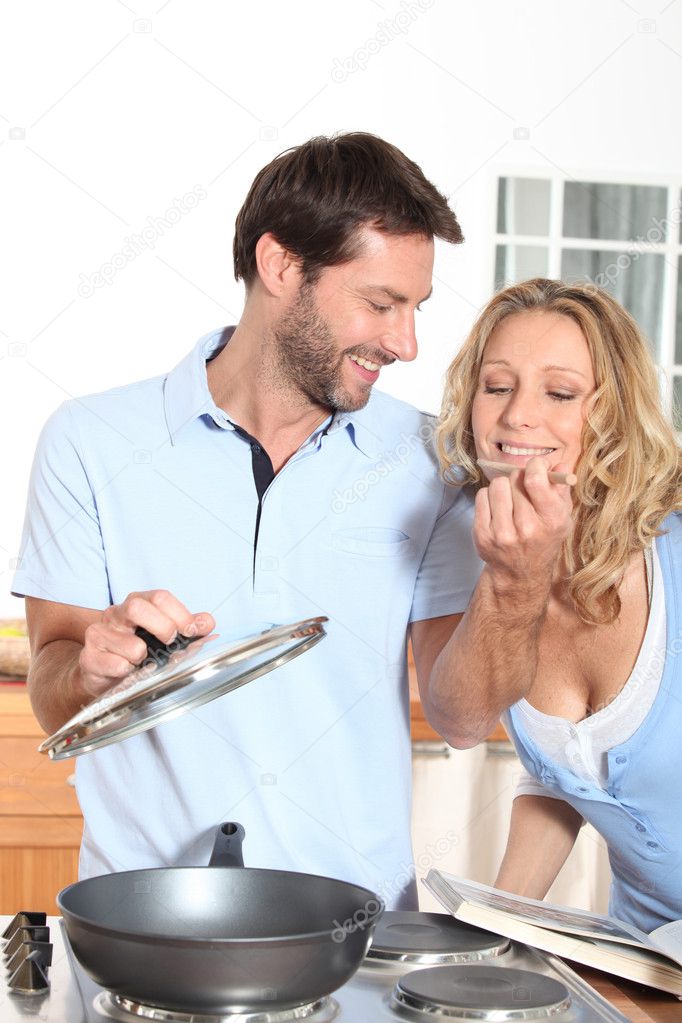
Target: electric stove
[420, 967]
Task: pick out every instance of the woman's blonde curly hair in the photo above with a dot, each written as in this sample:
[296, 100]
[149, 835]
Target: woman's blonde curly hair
[629, 473]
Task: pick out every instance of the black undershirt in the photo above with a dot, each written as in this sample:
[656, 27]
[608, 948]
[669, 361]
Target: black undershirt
[263, 475]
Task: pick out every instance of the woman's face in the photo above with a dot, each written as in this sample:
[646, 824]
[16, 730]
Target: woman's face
[534, 390]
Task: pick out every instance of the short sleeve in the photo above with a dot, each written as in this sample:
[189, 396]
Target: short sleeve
[450, 566]
[527, 785]
[61, 555]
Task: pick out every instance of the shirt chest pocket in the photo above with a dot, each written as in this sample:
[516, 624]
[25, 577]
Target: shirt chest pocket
[371, 541]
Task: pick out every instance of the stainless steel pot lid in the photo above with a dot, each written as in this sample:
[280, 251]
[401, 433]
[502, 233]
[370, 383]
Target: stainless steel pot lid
[163, 687]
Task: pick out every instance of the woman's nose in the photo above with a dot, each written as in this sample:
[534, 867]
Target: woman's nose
[521, 411]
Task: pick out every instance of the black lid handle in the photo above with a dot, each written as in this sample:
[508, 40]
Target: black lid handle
[160, 652]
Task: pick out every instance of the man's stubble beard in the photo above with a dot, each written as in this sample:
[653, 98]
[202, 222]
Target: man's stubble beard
[306, 360]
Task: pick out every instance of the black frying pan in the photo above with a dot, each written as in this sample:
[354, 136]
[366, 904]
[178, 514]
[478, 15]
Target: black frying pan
[210, 939]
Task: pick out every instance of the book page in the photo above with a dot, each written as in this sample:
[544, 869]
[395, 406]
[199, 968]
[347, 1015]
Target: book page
[545, 914]
[669, 939]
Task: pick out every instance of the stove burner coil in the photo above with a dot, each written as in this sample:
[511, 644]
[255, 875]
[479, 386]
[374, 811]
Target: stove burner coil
[430, 939]
[117, 1007]
[481, 992]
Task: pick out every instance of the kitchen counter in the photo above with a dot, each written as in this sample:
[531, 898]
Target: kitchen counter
[637, 1003]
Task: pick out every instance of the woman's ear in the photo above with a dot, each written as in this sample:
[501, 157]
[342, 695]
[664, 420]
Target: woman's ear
[277, 269]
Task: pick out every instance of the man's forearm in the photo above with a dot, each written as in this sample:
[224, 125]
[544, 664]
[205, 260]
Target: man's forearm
[54, 684]
[488, 663]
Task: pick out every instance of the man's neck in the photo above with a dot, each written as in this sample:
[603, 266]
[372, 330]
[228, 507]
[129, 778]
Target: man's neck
[242, 383]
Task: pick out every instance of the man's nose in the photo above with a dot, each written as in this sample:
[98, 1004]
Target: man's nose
[401, 341]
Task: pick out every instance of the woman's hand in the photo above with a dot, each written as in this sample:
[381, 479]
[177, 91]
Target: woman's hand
[521, 522]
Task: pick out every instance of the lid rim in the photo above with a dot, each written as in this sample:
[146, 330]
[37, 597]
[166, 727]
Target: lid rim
[88, 730]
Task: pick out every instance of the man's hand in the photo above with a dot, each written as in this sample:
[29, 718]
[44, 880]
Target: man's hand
[79, 652]
[520, 524]
[111, 649]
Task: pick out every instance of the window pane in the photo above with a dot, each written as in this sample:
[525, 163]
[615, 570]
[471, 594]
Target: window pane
[519, 262]
[616, 212]
[677, 402]
[637, 283]
[523, 206]
[678, 328]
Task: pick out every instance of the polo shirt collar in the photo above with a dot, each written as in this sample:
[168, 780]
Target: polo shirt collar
[187, 397]
[361, 427]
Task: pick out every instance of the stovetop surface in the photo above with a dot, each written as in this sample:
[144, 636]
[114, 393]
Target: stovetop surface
[364, 999]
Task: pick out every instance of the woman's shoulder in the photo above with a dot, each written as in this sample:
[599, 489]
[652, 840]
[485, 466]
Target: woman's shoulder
[669, 544]
[672, 524]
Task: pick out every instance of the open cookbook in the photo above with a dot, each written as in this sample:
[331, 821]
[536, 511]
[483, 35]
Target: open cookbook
[598, 941]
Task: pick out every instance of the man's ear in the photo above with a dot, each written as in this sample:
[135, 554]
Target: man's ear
[277, 269]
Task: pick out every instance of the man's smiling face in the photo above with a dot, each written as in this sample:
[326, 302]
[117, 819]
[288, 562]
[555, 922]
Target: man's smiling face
[332, 341]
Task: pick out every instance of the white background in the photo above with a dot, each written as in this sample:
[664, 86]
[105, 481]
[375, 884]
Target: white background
[110, 111]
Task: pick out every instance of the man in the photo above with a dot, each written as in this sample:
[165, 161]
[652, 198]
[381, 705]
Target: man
[260, 482]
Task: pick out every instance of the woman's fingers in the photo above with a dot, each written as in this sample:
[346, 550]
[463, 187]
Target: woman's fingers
[524, 519]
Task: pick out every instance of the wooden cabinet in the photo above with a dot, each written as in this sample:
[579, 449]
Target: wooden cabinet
[40, 820]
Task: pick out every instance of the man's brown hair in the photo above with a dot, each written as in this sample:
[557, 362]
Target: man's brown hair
[314, 197]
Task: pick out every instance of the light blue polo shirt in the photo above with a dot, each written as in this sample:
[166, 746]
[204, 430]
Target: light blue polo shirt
[150, 486]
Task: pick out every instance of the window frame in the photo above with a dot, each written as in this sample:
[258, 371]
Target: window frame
[555, 242]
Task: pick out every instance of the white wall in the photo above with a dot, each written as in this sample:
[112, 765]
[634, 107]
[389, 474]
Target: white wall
[103, 126]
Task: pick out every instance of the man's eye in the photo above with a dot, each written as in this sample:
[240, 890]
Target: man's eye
[380, 308]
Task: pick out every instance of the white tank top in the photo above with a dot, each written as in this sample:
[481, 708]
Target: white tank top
[582, 747]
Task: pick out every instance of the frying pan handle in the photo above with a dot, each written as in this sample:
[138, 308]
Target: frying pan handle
[227, 847]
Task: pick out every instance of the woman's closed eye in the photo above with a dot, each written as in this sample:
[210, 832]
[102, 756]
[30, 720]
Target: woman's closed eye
[561, 395]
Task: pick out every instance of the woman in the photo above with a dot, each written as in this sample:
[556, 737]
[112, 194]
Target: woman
[560, 376]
